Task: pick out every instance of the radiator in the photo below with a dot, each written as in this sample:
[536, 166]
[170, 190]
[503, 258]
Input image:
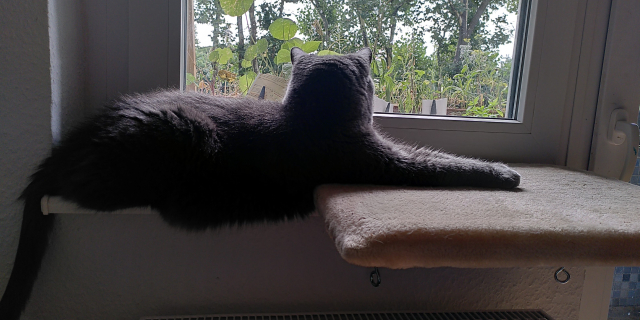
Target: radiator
[480, 315]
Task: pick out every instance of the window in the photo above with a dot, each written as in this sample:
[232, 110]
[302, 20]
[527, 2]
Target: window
[550, 36]
[431, 57]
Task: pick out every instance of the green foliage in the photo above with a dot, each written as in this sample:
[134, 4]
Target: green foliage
[479, 89]
[267, 13]
[191, 79]
[245, 81]
[221, 55]
[210, 12]
[327, 53]
[295, 42]
[284, 55]
[254, 50]
[283, 29]
[310, 46]
[484, 32]
[235, 8]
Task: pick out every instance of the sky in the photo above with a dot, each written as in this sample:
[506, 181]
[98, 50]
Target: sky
[203, 30]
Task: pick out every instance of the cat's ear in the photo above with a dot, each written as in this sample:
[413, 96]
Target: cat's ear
[296, 53]
[365, 53]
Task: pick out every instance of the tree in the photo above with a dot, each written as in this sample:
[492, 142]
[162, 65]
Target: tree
[378, 22]
[210, 12]
[253, 33]
[326, 10]
[461, 23]
[391, 13]
[358, 11]
[241, 49]
[351, 25]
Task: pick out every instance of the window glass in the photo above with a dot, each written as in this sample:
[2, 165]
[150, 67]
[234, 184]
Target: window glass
[438, 57]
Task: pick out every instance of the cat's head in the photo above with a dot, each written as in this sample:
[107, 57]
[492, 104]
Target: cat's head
[333, 88]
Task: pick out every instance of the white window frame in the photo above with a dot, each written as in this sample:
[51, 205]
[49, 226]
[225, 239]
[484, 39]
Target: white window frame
[539, 132]
[614, 148]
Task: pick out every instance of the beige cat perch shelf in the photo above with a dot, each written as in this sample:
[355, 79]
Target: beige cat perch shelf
[557, 217]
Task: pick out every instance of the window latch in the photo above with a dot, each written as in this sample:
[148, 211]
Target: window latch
[626, 135]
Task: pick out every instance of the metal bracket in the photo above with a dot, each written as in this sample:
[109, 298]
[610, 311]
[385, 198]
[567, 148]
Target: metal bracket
[562, 269]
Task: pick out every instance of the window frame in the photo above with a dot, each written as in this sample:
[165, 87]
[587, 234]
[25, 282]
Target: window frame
[538, 134]
[619, 91]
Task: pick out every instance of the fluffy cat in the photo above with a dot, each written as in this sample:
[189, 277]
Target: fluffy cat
[205, 161]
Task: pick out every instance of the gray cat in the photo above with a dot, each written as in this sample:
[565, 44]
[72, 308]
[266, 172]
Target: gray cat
[205, 161]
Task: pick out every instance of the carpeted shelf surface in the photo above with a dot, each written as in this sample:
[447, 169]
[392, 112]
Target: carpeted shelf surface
[556, 217]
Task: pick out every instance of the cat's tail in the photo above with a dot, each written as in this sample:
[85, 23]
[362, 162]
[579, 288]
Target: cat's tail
[34, 235]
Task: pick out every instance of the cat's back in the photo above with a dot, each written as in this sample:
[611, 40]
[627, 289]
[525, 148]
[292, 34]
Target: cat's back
[192, 104]
[162, 138]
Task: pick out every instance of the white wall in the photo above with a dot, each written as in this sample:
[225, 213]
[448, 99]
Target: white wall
[124, 267]
[25, 113]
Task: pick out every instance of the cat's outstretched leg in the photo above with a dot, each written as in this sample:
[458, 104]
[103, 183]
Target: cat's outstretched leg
[405, 165]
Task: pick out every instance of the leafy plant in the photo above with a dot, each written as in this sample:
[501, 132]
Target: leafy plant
[246, 80]
[235, 8]
[283, 29]
[221, 55]
[284, 54]
[253, 51]
[191, 79]
[328, 53]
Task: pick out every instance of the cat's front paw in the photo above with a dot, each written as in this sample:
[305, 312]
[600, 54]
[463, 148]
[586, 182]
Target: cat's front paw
[508, 177]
